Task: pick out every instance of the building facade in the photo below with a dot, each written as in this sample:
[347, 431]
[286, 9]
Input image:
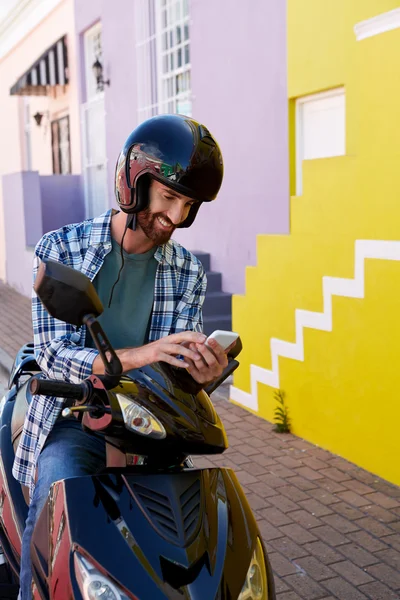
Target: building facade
[152, 56]
[319, 319]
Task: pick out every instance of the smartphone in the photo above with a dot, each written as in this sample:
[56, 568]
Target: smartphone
[223, 338]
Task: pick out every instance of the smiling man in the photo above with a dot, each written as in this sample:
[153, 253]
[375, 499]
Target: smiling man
[153, 287]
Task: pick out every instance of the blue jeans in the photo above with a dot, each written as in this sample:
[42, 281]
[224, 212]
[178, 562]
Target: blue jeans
[68, 452]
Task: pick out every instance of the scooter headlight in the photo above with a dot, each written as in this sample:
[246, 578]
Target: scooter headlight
[256, 584]
[139, 419]
[93, 584]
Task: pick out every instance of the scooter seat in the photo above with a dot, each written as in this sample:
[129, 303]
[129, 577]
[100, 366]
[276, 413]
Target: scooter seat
[21, 404]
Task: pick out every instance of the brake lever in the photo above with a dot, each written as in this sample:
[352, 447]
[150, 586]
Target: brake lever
[68, 412]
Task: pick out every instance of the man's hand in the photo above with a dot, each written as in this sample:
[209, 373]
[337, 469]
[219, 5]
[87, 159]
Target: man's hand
[210, 363]
[166, 349]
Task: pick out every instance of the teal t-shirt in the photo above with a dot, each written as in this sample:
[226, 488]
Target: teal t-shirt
[126, 322]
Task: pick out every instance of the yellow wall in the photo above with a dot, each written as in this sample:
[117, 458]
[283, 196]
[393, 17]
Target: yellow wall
[345, 394]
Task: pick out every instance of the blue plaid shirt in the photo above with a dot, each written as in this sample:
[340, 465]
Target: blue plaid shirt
[60, 351]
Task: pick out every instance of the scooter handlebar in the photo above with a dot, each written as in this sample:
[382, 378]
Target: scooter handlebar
[60, 389]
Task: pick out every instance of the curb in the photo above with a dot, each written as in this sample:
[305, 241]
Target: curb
[6, 362]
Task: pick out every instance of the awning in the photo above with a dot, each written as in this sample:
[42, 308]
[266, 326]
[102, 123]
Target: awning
[49, 70]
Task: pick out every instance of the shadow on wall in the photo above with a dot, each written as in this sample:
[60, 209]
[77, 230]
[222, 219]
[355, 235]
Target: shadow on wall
[34, 205]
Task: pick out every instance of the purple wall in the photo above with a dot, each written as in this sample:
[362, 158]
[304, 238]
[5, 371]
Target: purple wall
[62, 200]
[118, 39]
[33, 205]
[19, 191]
[238, 55]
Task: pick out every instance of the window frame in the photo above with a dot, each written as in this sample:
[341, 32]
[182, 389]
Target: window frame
[54, 147]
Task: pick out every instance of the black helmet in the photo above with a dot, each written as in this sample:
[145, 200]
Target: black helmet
[175, 150]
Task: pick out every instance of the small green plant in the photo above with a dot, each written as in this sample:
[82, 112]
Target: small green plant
[282, 421]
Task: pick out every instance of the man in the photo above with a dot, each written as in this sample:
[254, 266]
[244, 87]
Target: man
[154, 289]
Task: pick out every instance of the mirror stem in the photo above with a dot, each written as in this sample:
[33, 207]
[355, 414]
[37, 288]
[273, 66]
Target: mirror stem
[112, 365]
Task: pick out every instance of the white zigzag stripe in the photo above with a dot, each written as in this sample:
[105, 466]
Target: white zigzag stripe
[331, 286]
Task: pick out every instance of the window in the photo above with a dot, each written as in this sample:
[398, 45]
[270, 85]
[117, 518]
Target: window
[60, 146]
[320, 129]
[93, 50]
[163, 57]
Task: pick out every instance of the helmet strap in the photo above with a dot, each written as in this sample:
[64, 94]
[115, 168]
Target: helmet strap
[131, 222]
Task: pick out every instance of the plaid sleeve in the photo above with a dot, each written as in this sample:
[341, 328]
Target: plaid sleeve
[190, 308]
[59, 346]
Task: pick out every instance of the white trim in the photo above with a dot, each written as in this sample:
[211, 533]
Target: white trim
[332, 286]
[299, 131]
[376, 25]
[21, 20]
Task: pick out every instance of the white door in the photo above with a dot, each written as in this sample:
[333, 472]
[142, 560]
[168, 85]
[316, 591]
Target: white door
[94, 130]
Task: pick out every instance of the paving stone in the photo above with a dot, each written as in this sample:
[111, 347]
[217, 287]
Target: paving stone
[343, 590]
[293, 493]
[238, 458]
[390, 556]
[330, 485]
[289, 596]
[352, 573]
[289, 462]
[341, 524]
[335, 474]
[305, 519]
[314, 463]
[386, 574]
[303, 484]
[386, 488]
[267, 530]
[262, 489]
[289, 548]
[354, 499]
[314, 568]
[325, 497]
[323, 552]
[306, 586]
[359, 556]
[309, 473]
[374, 527]
[298, 533]
[329, 535]
[382, 500]
[272, 480]
[253, 468]
[364, 539]
[316, 508]
[358, 487]
[348, 511]
[393, 540]
[281, 565]
[282, 471]
[280, 586]
[283, 503]
[276, 517]
[378, 591]
[256, 502]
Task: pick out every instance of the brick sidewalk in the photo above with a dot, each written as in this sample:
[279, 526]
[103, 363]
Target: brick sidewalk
[15, 320]
[332, 529]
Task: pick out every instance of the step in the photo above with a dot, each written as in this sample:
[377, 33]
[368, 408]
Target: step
[219, 322]
[204, 258]
[214, 282]
[217, 303]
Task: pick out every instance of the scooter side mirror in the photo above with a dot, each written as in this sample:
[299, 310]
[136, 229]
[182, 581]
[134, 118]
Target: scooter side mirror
[67, 294]
[70, 296]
